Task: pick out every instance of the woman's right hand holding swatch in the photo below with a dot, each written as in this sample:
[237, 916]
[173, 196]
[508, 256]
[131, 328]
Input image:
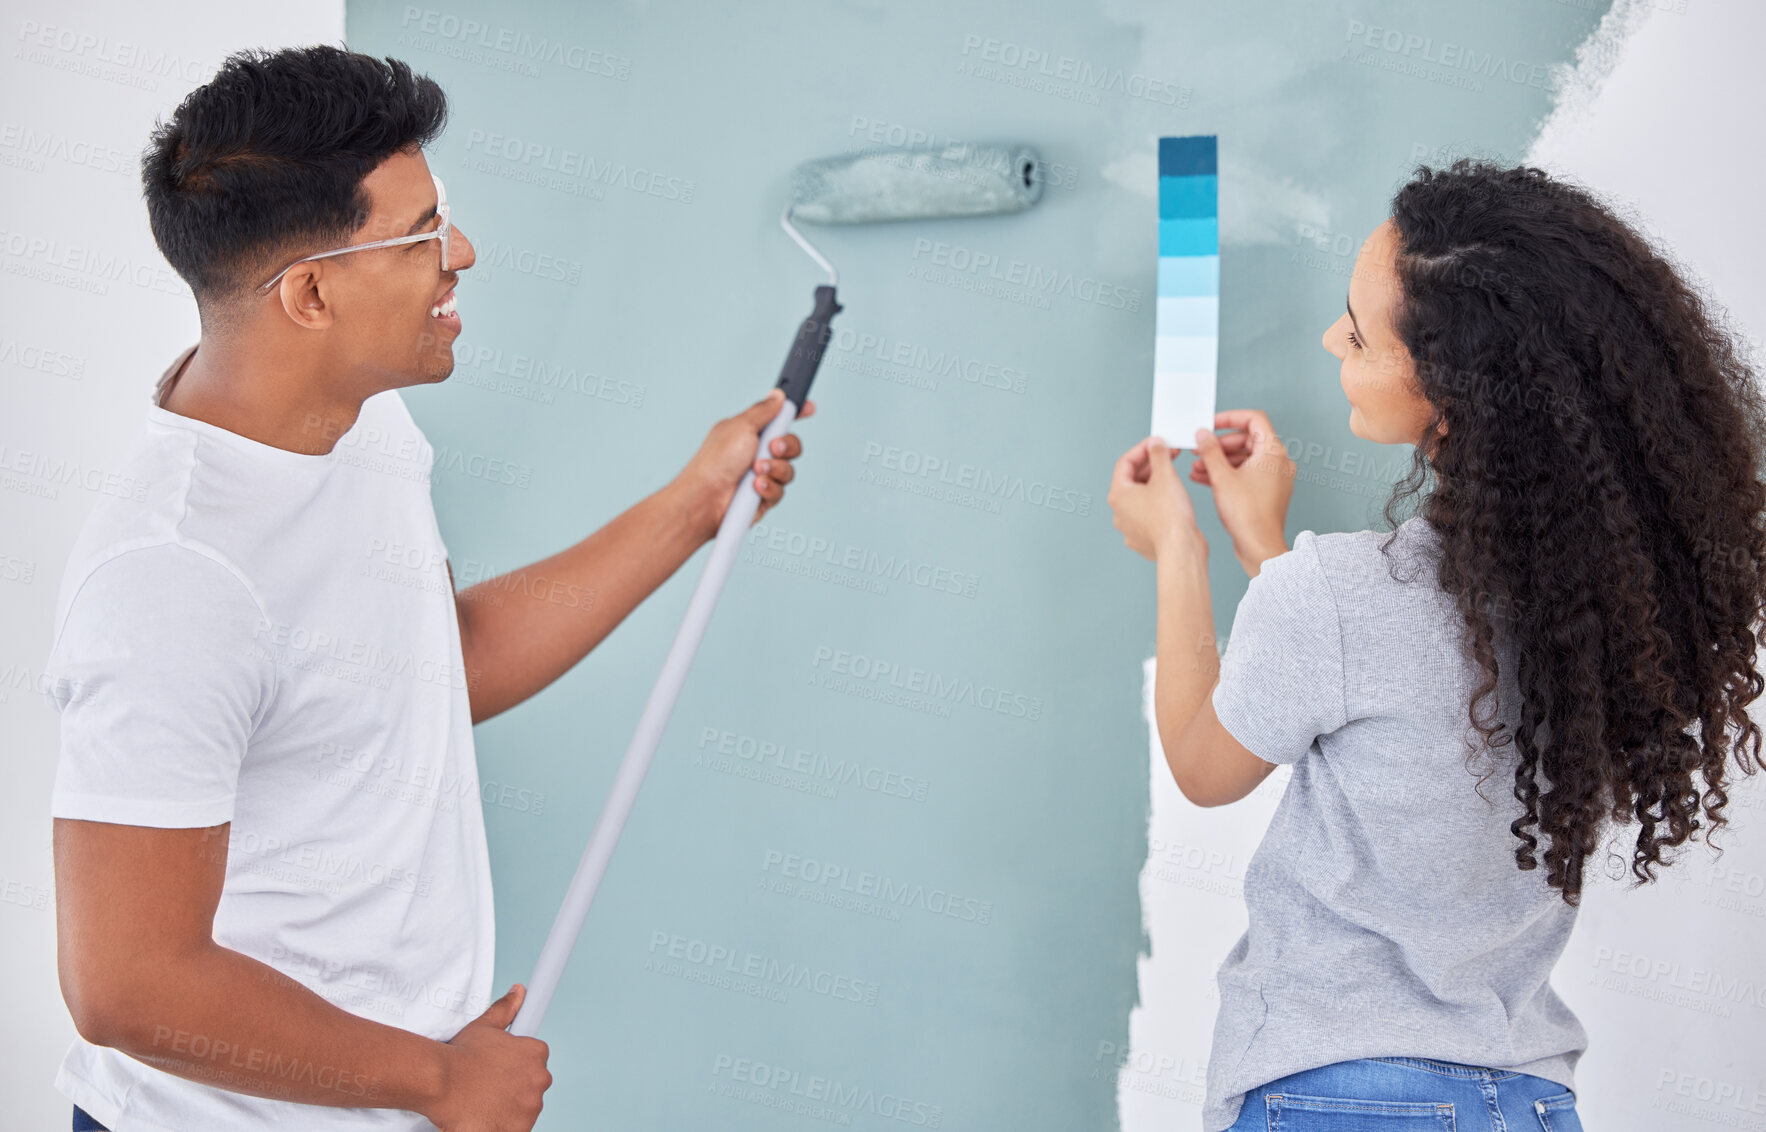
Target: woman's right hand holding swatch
[1252, 477]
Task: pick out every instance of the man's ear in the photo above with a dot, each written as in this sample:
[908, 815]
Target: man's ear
[302, 293]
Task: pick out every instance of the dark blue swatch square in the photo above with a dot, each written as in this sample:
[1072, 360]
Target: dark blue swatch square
[1187, 157]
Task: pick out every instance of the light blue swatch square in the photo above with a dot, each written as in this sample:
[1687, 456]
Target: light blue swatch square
[1188, 314]
[1185, 353]
[1189, 235]
[1182, 403]
[1189, 275]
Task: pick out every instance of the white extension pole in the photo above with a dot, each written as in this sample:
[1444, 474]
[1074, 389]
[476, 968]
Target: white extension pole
[651, 724]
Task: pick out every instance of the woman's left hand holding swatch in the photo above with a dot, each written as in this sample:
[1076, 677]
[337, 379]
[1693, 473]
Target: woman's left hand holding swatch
[1151, 508]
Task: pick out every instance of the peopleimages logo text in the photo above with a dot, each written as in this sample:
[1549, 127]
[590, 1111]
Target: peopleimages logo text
[877, 886]
[742, 963]
[517, 44]
[811, 1094]
[973, 477]
[925, 682]
[577, 164]
[1080, 72]
[1032, 277]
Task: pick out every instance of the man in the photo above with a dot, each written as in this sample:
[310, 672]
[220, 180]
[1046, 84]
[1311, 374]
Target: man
[273, 892]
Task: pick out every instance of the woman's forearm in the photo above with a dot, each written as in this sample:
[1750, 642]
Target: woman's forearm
[1187, 660]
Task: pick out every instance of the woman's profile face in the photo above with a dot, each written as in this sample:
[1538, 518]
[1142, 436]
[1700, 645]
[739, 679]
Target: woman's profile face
[1386, 405]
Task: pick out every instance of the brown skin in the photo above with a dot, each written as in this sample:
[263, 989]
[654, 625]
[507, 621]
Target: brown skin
[1378, 374]
[1252, 478]
[135, 905]
[141, 972]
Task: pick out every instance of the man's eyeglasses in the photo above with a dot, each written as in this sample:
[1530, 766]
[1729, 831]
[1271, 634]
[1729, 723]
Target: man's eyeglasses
[441, 231]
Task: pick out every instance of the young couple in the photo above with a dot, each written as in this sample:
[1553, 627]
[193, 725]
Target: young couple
[1563, 644]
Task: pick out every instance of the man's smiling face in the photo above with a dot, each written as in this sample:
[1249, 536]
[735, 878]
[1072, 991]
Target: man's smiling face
[382, 301]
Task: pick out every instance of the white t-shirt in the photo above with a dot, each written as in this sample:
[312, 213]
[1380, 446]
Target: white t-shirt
[268, 638]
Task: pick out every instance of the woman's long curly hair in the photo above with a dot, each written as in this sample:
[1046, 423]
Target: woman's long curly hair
[1599, 503]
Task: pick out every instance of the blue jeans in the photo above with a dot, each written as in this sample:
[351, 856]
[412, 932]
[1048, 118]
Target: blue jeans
[84, 1122]
[1408, 1094]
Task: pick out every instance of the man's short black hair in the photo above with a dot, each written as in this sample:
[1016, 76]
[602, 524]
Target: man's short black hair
[264, 162]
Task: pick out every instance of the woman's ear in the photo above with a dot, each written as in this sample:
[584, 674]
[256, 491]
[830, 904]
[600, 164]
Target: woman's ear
[1435, 435]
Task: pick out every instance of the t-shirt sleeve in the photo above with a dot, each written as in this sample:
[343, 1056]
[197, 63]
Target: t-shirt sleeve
[159, 682]
[1281, 678]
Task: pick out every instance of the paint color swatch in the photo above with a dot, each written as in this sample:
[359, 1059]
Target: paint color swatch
[1186, 325]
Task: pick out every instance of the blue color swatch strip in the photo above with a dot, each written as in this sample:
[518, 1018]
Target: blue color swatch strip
[1187, 321]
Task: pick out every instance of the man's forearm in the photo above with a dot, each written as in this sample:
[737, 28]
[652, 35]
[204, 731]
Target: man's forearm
[227, 1020]
[522, 630]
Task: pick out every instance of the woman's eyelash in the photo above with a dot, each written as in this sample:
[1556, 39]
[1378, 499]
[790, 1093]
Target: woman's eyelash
[1354, 341]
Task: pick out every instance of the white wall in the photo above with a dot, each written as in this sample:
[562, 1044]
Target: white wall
[89, 316]
[1663, 120]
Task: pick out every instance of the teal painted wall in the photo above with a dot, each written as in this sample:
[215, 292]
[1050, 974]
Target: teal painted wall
[620, 169]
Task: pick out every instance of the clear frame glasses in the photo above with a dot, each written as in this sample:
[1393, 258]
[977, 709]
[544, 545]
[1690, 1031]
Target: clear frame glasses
[440, 232]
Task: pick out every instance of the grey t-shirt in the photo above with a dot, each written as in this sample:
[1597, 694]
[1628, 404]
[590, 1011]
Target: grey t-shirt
[1387, 915]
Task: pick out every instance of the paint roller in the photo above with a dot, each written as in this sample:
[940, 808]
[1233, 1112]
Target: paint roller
[955, 180]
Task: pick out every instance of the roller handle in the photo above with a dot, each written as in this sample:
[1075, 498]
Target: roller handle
[806, 351]
[800, 370]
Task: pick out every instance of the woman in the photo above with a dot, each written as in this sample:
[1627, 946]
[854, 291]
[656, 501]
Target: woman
[1556, 649]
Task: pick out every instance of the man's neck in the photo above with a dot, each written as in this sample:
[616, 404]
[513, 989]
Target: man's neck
[278, 405]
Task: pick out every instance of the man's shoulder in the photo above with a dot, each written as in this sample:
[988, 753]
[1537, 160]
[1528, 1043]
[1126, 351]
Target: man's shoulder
[151, 607]
[154, 572]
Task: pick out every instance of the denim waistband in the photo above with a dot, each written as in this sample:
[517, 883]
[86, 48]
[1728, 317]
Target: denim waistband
[1449, 1068]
